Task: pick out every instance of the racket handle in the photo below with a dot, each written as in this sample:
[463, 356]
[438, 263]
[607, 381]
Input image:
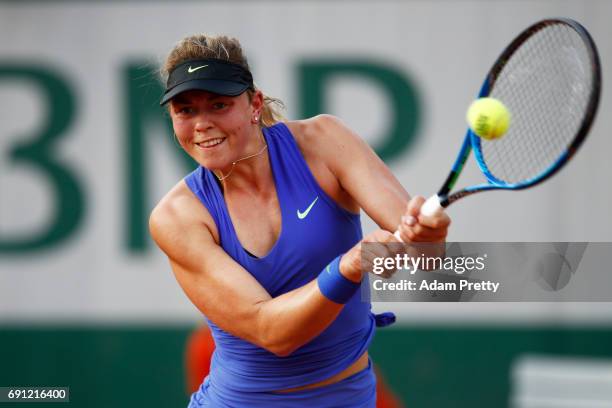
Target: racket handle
[432, 206]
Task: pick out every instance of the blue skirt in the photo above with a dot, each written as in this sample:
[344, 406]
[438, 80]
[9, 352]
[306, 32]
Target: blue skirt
[356, 391]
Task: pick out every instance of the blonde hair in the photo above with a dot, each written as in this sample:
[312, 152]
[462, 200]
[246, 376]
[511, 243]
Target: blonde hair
[224, 48]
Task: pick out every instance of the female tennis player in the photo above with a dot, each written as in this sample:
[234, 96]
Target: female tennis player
[264, 236]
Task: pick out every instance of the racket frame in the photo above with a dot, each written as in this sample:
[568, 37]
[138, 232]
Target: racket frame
[472, 141]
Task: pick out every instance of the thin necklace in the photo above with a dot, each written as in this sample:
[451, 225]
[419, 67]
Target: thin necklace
[241, 159]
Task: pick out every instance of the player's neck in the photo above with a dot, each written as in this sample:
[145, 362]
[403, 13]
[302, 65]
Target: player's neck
[252, 173]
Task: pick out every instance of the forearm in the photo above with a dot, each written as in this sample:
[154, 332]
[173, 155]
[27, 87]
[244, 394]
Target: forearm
[293, 319]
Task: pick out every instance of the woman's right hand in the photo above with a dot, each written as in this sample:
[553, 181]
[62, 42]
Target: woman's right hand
[360, 258]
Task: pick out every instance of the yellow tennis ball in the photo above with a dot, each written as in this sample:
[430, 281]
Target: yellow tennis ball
[488, 118]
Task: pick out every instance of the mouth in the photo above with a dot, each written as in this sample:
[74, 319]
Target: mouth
[209, 144]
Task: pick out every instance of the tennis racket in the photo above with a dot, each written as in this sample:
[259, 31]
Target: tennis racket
[549, 78]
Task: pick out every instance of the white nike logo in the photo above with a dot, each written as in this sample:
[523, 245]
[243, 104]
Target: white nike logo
[302, 215]
[192, 70]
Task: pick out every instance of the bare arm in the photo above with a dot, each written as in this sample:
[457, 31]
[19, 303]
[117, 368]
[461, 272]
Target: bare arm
[358, 169]
[226, 293]
[372, 185]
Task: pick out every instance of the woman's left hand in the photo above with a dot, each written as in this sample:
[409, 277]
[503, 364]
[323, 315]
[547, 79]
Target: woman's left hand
[416, 227]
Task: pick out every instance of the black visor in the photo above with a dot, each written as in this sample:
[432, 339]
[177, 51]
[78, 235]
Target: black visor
[208, 74]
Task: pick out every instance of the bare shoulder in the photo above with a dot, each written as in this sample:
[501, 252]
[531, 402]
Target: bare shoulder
[178, 212]
[324, 137]
[320, 131]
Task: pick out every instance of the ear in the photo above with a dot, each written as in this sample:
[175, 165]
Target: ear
[257, 104]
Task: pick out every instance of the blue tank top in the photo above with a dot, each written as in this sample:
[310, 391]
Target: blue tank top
[314, 230]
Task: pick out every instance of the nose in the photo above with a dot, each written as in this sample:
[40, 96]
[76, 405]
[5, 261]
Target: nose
[203, 123]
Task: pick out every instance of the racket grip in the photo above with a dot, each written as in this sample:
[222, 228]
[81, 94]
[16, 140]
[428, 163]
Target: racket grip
[432, 206]
[396, 234]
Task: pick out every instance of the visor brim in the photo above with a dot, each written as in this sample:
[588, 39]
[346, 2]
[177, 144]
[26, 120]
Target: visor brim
[216, 86]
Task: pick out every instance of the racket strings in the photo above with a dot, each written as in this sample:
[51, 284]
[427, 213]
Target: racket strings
[571, 108]
[546, 86]
[540, 151]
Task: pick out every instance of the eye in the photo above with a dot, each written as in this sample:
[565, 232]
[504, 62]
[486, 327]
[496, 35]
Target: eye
[184, 110]
[219, 105]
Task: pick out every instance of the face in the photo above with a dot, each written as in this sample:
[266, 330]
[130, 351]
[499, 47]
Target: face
[215, 130]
